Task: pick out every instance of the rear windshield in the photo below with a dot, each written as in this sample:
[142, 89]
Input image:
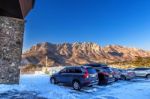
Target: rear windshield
[107, 69]
[91, 70]
[96, 65]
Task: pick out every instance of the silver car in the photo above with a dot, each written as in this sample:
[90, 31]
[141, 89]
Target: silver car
[127, 74]
[142, 72]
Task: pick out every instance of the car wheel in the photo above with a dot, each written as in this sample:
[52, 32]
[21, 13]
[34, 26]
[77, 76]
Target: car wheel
[53, 81]
[76, 85]
[102, 80]
[148, 76]
[123, 77]
[116, 79]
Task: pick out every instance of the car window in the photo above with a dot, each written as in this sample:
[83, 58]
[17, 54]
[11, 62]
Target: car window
[71, 70]
[107, 70]
[96, 65]
[63, 71]
[141, 69]
[147, 69]
[138, 69]
[77, 70]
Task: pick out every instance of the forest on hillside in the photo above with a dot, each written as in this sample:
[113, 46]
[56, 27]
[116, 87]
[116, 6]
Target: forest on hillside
[139, 62]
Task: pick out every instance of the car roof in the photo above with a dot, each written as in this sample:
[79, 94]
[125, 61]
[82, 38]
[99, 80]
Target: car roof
[86, 66]
[78, 67]
[142, 68]
[96, 65]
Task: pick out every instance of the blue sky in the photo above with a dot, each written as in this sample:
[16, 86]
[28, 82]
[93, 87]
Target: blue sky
[121, 22]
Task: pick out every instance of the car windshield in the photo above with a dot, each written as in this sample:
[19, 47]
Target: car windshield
[91, 70]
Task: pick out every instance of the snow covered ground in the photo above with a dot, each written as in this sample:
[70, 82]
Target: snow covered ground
[38, 85]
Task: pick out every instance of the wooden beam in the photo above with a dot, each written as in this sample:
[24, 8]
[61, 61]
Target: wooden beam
[26, 6]
[16, 8]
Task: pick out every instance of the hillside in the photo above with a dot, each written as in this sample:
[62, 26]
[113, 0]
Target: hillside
[139, 62]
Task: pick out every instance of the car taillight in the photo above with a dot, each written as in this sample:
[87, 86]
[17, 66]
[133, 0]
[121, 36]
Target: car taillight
[86, 75]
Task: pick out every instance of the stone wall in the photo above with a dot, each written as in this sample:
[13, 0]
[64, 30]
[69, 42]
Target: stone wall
[11, 41]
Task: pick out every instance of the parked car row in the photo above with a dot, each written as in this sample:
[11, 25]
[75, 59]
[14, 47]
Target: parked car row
[95, 74]
[105, 74]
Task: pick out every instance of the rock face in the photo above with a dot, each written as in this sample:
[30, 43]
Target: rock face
[121, 53]
[11, 39]
[79, 53]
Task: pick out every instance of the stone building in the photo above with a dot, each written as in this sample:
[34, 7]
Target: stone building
[12, 14]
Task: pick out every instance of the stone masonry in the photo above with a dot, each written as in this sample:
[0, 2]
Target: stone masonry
[11, 41]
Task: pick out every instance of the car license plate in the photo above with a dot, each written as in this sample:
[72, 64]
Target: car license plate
[110, 76]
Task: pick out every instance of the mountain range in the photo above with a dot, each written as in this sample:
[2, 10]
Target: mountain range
[67, 54]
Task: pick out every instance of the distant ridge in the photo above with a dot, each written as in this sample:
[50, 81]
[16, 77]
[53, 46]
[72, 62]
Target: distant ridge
[79, 53]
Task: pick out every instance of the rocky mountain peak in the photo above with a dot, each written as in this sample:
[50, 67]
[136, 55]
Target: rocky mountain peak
[80, 53]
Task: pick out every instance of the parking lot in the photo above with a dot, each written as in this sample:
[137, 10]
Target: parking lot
[38, 87]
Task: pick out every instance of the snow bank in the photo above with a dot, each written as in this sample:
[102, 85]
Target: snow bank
[39, 84]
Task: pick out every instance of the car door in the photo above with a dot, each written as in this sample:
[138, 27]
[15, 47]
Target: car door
[139, 72]
[62, 76]
[66, 76]
[144, 72]
[71, 75]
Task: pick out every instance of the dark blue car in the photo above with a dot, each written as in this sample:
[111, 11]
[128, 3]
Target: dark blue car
[105, 74]
[77, 77]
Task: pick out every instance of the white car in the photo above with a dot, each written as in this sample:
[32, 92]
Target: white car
[142, 72]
